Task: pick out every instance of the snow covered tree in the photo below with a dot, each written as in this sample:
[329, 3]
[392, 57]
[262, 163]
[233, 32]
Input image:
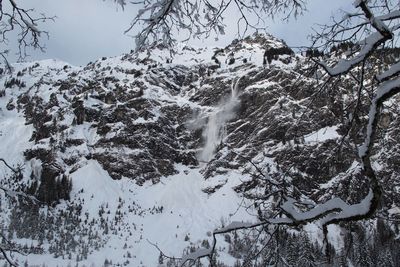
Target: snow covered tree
[369, 28]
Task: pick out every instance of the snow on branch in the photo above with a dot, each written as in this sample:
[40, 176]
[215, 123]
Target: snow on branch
[203, 253]
[344, 65]
[333, 209]
[382, 34]
[394, 70]
[385, 90]
[233, 226]
[236, 226]
[390, 16]
[198, 254]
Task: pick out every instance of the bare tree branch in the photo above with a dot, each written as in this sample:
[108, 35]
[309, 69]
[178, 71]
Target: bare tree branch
[162, 19]
[26, 23]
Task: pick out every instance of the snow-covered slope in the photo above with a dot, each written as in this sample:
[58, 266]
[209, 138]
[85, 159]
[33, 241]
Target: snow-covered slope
[151, 151]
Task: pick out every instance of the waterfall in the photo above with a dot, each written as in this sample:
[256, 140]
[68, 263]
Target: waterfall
[214, 131]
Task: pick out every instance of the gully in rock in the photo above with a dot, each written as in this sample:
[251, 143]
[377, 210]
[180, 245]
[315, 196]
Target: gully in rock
[214, 131]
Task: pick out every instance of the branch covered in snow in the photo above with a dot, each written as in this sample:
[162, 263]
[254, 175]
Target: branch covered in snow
[370, 43]
[23, 21]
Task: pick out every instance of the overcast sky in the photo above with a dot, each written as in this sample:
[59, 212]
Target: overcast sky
[86, 30]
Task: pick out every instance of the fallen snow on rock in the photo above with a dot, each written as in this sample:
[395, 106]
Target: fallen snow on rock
[322, 135]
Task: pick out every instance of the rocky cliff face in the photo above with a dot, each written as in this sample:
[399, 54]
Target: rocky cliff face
[123, 143]
[132, 114]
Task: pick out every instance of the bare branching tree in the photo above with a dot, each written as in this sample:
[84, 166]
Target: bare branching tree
[23, 22]
[162, 20]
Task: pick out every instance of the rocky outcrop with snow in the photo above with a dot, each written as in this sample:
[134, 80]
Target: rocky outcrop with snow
[158, 148]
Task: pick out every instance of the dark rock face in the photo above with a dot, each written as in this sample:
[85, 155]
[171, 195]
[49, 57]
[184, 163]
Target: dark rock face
[136, 137]
[140, 115]
[303, 136]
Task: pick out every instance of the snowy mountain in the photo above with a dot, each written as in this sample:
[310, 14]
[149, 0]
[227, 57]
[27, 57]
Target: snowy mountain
[153, 150]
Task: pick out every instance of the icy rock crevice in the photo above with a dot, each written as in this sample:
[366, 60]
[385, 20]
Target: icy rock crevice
[214, 132]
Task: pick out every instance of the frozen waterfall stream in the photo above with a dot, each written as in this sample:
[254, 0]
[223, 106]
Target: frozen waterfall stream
[214, 131]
